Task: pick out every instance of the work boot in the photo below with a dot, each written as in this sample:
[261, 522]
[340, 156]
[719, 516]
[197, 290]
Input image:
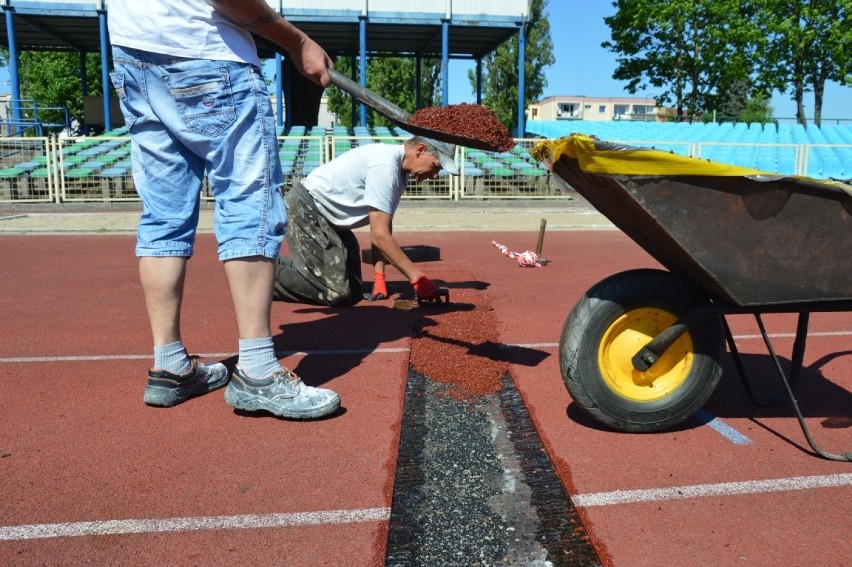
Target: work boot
[282, 393]
[166, 389]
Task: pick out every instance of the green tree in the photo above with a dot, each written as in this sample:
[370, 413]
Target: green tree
[733, 102]
[693, 53]
[808, 45]
[757, 109]
[500, 67]
[55, 79]
[696, 53]
[393, 78]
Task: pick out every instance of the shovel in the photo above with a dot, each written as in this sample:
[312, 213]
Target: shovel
[400, 117]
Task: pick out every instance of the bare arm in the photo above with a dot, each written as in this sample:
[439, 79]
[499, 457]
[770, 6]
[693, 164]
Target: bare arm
[257, 16]
[382, 238]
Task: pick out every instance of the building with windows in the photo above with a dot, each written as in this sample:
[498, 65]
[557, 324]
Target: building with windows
[642, 109]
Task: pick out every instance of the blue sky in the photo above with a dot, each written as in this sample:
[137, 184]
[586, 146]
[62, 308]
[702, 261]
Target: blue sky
[583, 67]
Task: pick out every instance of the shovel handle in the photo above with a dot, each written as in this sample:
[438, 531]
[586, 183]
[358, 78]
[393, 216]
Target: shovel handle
[368, 97]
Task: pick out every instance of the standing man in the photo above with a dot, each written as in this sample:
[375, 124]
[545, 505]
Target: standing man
[188, 79]
[360, 187]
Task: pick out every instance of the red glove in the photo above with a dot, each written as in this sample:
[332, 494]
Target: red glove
[380, 288]
[425, 289]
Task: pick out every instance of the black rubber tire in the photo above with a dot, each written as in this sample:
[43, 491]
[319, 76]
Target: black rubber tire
[587, 363]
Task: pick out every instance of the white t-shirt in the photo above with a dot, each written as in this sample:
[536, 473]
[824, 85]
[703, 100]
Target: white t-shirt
[345, 188]
[183, 28]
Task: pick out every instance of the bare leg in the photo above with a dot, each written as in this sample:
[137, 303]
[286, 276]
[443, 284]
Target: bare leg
[280, 392]
[250, 280]
[162, 281]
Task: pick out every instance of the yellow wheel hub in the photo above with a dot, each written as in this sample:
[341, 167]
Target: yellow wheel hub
[622, 341]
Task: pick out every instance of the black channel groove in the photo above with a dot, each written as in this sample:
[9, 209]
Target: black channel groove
[474, 486]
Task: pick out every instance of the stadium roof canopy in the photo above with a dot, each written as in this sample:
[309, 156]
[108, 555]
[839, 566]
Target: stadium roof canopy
[455, 29]
[475, 27]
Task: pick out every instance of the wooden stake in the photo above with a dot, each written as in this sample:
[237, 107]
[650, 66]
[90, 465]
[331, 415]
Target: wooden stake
[540, 237]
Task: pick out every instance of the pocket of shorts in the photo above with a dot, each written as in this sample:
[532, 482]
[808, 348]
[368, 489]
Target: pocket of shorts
[203, 99]
[117, 80]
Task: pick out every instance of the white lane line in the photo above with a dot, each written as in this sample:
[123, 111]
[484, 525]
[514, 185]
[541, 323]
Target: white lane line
[389, 350]
[720, 489]
[279, 353]
[722, 428]
[113, 527]
[793, 335]
[529, 345]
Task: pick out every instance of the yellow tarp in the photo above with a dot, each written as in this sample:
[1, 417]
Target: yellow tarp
[632, 161]
[626, 160]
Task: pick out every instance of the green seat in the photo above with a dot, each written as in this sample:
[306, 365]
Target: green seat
[82, 144]
[10, 173]
[79, 173]
[73, 160]
[106, 159]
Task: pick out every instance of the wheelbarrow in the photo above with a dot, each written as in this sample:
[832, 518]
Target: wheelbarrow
[642, 350]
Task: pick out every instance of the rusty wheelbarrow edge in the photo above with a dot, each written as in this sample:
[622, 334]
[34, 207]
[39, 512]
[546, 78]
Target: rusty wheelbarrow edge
[749, 237]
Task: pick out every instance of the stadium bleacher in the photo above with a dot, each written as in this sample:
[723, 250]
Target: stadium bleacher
[820, 152]
[99, 168]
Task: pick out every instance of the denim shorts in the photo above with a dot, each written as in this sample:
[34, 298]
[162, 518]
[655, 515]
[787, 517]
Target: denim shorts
[189, 119]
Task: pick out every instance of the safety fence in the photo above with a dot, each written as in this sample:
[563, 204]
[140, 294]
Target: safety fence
[63, 170]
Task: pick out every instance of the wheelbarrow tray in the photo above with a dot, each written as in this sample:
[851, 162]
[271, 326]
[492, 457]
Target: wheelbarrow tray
[751, 237]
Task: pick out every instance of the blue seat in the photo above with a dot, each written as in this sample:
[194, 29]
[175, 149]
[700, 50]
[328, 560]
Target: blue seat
[113, 172]
[93, 165]
[28, 165]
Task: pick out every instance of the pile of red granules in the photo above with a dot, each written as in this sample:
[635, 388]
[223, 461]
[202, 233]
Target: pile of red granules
[472, 121]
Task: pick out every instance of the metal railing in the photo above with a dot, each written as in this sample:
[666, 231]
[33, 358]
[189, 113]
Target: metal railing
[89, 169]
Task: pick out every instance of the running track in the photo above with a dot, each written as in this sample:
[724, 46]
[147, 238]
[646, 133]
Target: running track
[90, 475]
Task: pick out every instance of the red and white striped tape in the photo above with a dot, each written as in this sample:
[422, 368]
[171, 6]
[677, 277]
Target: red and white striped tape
[526, 259]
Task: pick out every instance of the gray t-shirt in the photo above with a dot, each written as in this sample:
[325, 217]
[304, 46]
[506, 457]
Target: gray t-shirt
[349, 185]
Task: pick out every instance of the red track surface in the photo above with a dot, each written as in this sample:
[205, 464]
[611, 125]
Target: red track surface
[78, 445]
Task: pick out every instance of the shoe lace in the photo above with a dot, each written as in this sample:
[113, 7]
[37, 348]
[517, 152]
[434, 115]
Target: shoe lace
[288, 376]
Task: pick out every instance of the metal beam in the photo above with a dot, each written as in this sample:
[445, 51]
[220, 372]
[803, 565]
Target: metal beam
[102, 20]
[50, 32]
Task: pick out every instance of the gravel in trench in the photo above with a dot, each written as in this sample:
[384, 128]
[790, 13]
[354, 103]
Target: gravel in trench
[474, 485]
